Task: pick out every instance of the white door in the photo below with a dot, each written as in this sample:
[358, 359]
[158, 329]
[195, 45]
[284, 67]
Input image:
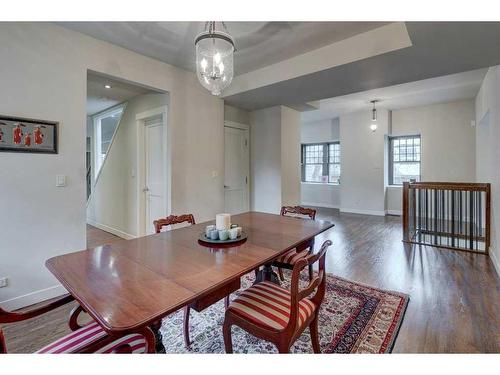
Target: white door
[237, 159]
[155, 189]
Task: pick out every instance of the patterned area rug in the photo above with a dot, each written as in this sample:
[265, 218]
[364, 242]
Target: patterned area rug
[354, 318]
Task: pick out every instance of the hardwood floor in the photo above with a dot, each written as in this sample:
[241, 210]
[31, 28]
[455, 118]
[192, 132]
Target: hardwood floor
[454, 296]
[97, 237]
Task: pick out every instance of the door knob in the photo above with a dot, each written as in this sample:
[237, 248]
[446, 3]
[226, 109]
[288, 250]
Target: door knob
[146, 189]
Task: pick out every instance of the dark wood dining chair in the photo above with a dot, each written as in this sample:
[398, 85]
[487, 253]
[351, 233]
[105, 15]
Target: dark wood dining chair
[288, 260]
[271, 312]
[173, 219]
[197, 305]
[88, 338]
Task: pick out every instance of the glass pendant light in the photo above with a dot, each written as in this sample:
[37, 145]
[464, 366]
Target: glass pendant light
[214, 57]
[373, 125]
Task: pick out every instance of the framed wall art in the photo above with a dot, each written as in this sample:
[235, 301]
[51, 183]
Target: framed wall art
[27, 135]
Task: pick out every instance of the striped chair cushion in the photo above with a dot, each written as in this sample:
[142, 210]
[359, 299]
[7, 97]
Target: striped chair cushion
[292, 256]
[135, 340]
[268, 305]
[87, 335]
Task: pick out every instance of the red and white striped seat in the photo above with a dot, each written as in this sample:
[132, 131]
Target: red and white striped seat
[292, 256]
[268, 305]
[89, 334]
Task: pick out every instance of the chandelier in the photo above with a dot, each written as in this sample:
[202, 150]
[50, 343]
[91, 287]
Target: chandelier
[214, 58]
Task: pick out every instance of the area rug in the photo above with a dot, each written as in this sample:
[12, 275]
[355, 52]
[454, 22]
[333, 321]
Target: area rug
[354, 318]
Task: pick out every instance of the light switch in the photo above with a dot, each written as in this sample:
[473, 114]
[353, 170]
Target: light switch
[215, 174]
[61, 180]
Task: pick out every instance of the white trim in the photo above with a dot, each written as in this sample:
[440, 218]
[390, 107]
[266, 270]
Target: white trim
[237, 125]
[319, 183]
[33, 297]
[363, 212]
[494, 260]
[395, 212]
[106, 228]
[141, 174]
[325, 205]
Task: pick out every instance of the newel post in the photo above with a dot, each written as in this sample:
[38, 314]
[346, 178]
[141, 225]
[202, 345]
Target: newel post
[406, 191]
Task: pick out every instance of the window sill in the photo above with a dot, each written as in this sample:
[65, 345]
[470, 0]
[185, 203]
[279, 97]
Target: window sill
[319, 183]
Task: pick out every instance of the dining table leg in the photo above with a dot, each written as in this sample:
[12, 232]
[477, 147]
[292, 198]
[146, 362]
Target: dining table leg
[159, 338]
[267, 274]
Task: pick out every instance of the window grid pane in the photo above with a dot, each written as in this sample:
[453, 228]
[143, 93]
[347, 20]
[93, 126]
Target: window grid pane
[321, 163]
[405, 159]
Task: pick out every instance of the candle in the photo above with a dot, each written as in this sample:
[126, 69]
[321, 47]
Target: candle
[223, 221]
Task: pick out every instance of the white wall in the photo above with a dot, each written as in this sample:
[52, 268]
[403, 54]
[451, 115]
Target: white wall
[363, 155]
[274, 158]
[236, 115]
[487, 107]
[290, 157]
[113, 204]
[447, 143]
[265, 160]
[320, 131]
[43, 76]
[313, 194]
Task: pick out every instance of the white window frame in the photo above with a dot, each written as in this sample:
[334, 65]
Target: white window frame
[96, 120]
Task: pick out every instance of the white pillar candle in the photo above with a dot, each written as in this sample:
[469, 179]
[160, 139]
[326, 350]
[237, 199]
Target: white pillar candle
[223, 221]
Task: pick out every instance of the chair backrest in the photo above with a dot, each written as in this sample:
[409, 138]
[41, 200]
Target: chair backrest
[318, 281]
[173, 219]
[298, 210]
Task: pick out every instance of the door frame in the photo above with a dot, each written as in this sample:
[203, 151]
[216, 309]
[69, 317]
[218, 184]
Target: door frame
[141, 165]
[238, 125]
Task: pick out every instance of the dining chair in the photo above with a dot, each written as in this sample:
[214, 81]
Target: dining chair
[171, 220]
[271, 312]
[287, 260]
[87, 338]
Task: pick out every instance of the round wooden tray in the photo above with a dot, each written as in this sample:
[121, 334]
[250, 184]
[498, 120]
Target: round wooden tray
[204, 238]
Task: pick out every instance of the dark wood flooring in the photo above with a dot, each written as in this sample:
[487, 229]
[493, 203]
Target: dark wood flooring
[454, 296]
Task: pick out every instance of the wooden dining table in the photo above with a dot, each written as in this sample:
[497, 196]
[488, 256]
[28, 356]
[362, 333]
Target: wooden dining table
[131, 284]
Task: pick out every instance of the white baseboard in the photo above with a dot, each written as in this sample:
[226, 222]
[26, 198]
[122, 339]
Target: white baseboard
[313, 204]
[363, 212]
[395, 212]
[33, 297]
[111, 230]
[494, 260]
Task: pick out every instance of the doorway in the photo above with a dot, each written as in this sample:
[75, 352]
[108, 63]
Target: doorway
[115, 178]
[237, 167]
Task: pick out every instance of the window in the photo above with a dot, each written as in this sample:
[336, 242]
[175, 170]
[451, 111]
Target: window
[404, 159]
[105, 125]
[321, 162]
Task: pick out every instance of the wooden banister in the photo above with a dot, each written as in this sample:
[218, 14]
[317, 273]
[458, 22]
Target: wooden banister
[453, 215]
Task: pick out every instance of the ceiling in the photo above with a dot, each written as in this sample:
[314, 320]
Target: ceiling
[426, 92]
[434, 49]
[100, 98]
[258, 44]
[438, 49]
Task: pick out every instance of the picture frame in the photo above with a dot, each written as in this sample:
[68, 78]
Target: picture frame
[19, 134]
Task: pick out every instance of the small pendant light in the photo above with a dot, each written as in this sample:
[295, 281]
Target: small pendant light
[373, 125]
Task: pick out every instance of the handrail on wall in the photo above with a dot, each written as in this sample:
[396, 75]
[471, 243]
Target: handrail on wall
[450, 215]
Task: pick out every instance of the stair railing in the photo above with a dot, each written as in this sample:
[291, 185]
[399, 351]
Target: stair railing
[448, 215]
